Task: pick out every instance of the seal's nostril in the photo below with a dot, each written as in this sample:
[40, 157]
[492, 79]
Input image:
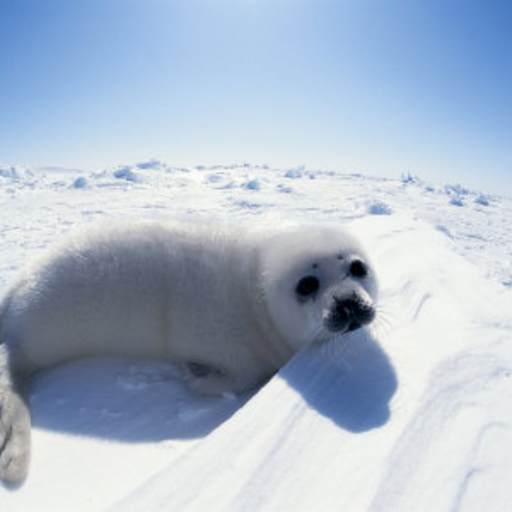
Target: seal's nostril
[346, 307]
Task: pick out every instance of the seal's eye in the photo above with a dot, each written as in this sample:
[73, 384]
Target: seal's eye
[307, 286]
[358, 269]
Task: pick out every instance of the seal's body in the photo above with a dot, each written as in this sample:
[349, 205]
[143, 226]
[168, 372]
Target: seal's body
[227, 306]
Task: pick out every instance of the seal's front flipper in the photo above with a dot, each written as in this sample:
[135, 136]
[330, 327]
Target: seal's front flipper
[14, 437]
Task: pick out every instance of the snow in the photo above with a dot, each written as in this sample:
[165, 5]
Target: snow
[413, 415]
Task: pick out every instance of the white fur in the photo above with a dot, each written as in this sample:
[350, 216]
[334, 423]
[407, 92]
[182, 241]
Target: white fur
[214, 296]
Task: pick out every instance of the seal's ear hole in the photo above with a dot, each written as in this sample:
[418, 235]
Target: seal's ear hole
[307, 286]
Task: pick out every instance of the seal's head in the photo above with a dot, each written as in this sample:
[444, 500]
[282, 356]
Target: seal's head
[317, 283]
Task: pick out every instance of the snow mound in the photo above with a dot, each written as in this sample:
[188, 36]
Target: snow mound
[253, 184]
[379, 208]
[80, 182]
[15, 173]
[482, 199]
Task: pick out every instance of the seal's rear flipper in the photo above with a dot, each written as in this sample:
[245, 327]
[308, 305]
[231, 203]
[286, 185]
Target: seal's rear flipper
[14, 425]
[14, 437]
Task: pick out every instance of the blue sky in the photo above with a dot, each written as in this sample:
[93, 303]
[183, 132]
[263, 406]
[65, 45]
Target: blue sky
[382, 87]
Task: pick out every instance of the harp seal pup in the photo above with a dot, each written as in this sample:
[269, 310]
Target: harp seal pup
[227, 306]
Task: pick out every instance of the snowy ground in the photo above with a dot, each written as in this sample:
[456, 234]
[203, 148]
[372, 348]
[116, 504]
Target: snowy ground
[415, 416]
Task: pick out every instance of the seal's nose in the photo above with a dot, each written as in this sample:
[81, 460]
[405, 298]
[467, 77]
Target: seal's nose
[350, 314]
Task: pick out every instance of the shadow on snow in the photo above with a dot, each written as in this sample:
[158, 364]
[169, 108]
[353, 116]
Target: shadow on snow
[351, 382]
